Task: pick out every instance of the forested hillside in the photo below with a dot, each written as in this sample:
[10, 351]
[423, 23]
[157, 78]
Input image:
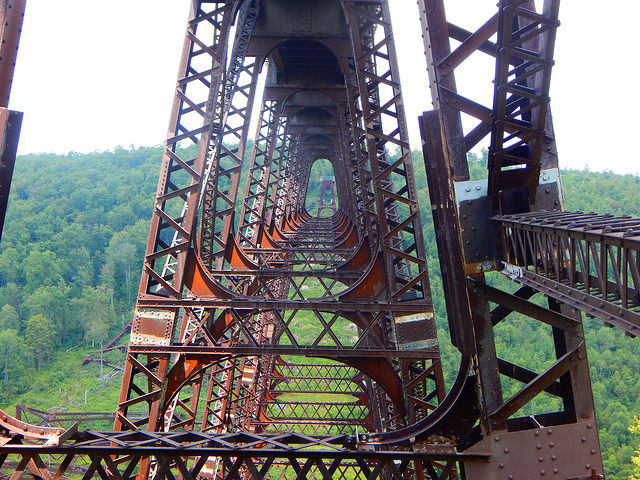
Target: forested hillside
[72, 249]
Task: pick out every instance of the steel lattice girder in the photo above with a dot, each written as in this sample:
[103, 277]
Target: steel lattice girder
[242, 454]
[586, 260]
[522, 146]
[224, 326]
[260, 273]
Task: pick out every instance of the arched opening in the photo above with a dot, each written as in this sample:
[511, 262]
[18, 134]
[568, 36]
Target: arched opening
[305, 62]
[321, 199]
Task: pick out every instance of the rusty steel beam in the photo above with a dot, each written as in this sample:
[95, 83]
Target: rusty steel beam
[287, 345]
[11, 16]
[586, 260]
[244, 454]
[217, 317]
[10, 123]
[521, 136]
[392, 344]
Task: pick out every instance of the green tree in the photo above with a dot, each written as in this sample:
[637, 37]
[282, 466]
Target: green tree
[11, 294]
[10, 259]
[11, 354]
[9, 318]
[52, 301]
[635, 428]
[123, 258]
[95, 313]
[39, 337]
[41, 268]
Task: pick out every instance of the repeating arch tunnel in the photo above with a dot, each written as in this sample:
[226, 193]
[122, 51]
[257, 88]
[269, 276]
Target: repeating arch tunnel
[269, 342]
[303, 120]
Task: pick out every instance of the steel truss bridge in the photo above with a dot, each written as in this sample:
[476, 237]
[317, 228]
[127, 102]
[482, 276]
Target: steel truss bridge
[271, 343]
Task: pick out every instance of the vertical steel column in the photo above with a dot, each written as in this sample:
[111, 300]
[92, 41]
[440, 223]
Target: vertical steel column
[223, 180]
[351, 158]
[522, 135]
[445, 155]
[11, 16]
[252, 216]
[277, 176]
[442, 80]
[399, 228]
[521, 95]
[199, 95]
[233, 117]
[384, 125]
[357, 148]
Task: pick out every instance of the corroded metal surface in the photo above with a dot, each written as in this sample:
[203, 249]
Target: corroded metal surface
[269, 343]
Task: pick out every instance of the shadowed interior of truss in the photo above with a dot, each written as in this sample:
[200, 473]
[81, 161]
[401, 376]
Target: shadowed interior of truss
[269, 342]
[310, 324]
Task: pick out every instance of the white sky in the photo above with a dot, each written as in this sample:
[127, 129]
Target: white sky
[92, 75]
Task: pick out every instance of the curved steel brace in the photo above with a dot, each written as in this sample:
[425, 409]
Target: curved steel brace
[439, 422]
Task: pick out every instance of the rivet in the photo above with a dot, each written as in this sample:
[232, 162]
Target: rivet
[467, 189]
[583, 439]
[555, 470]
[510, 477]
[536, 433]
[540, 459]
[587, 466]
[593, 452]
[501, 465]
[553, 457]
[497, 438]
[551, 444]
[549, 432]
[589, 425]
[538, 446]
[541, 472]
[506, 450]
